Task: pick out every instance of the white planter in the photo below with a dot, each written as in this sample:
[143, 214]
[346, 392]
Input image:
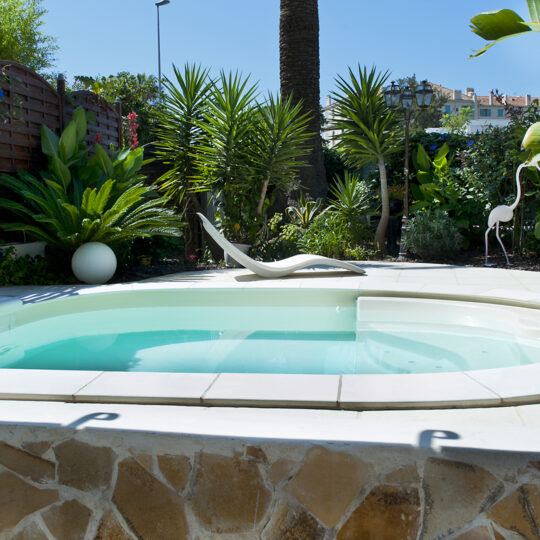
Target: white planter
[33, 249]
[229, 261]
[94, 263]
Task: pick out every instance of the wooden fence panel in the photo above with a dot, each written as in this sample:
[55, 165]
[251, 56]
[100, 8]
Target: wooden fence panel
[108, 118]
[27, 101]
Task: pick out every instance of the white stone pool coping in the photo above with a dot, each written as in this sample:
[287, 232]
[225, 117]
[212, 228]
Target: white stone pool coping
[483, 388]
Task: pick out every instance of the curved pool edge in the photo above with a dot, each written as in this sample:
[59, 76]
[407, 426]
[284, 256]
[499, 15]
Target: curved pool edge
[471, 389]
[485, 388]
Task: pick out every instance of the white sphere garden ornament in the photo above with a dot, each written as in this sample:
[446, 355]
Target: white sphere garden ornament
[93, 262]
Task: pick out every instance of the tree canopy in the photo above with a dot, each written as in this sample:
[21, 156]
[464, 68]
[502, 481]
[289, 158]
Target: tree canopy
[22, 38]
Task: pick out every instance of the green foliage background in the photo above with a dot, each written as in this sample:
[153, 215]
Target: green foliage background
[21, 36]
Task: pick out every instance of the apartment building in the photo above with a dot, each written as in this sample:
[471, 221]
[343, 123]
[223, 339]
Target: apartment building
[487, 110]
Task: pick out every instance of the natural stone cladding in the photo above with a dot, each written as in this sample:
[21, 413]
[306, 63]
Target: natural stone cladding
[107, 485]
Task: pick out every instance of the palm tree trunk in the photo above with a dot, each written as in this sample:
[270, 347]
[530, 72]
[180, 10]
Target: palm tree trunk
[299, 76]
[380, 233]
[263, 196]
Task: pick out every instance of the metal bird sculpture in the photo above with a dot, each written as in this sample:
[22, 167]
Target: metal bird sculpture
[505, 213]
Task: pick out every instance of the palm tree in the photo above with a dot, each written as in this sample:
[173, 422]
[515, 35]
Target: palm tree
[299, 76]
[369, 131]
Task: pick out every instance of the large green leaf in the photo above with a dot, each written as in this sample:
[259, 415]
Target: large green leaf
[79, 119]
[534, 10]
[60, 171]
[496, 26]
[49, 142]
[531, 139]
[68, 142]
[103, 160]
[492, 25]
[422, 161]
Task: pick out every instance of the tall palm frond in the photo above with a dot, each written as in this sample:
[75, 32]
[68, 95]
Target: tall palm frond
[368, 130]
[177, 128]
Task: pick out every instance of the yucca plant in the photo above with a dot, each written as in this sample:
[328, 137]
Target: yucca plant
[369, 130]
[228, 124]
[223, 161]
[177, 129]
[279, 144]
[81, 200]
[351, 196]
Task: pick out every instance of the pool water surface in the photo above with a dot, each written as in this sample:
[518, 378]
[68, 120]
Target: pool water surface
[357, 336]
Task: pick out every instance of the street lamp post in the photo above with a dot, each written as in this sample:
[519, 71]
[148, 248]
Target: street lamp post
[158, 5]
[396, 96]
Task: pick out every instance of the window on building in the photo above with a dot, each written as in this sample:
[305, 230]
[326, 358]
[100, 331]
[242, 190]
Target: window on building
[485, 112]
[447, 109]
[500, 113]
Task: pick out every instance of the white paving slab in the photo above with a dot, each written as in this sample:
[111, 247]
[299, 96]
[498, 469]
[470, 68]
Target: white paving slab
[274, 390]
[517, 385]
[133, 387]
[413, 391]
[42, 383]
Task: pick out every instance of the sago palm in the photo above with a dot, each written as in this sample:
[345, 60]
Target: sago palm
[368, 130]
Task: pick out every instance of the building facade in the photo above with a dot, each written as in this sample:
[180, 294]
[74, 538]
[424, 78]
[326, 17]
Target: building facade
[486, 110]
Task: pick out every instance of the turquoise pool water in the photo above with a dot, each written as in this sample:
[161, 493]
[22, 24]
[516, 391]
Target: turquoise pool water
[202, 351]
[377, 337]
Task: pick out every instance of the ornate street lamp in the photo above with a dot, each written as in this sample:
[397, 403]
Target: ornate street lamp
[158, 5]
[394, 97]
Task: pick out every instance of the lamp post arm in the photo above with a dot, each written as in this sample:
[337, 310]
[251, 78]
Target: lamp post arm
[159, 50]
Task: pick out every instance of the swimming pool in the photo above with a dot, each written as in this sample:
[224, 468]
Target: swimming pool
[337, 338]
[297, 333]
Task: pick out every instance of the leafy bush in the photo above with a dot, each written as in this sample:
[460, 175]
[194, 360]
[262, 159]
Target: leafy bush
[432, 234]
[332, 235]
[78, 200]
[442, 187]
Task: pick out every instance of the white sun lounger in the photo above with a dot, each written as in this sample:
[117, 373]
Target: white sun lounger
[275, 269]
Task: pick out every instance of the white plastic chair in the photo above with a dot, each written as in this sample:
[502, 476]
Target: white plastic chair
[275, 269]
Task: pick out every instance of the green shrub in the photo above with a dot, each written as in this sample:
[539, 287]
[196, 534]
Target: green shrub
[281, 240]
[432, 234]
[332, 235]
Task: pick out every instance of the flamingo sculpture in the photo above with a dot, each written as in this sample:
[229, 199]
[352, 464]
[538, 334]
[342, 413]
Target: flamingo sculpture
[504, 212]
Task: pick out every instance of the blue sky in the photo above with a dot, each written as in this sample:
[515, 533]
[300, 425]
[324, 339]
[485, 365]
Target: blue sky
[430, 38]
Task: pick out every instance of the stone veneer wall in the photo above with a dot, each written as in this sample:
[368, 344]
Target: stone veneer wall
[93, 484]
